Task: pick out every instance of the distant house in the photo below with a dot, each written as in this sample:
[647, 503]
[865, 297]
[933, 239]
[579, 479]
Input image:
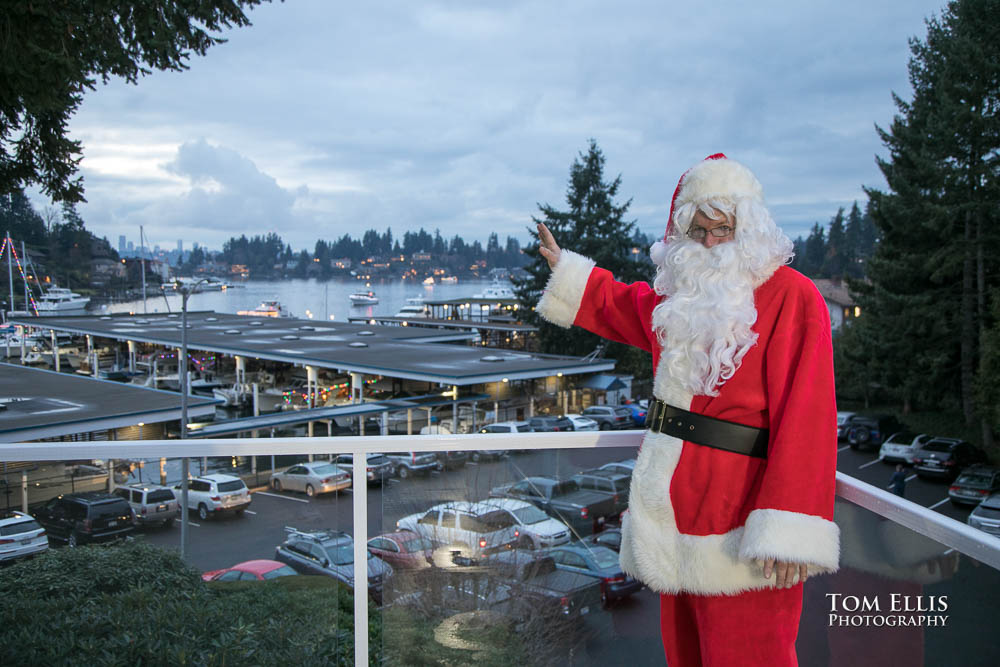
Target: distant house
[422, 256]
[838, 300]
[341, 263]
[103, 268]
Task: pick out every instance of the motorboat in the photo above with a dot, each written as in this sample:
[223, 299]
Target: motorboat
[271, 308]
[61, 301]
[415, 300]
[429, 280]
[497, 290]
[363, 298]
[449, 280]
[412, 310]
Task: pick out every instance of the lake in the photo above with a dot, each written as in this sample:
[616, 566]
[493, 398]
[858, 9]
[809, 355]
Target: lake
[310, 299]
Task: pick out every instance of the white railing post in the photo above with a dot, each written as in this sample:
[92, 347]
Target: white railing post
[359, 497]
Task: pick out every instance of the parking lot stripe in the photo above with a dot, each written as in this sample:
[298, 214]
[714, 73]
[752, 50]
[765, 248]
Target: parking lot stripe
[250, 512]
[910, 478]
[275, 495]
[192, 523]
[940, 502]
[870, 463]
[843, 448]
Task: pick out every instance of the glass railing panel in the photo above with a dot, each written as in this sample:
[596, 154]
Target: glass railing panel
[899, 598]
[107, 571]
[475, 578]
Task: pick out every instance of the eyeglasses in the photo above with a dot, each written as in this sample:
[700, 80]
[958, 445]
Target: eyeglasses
[699, 233]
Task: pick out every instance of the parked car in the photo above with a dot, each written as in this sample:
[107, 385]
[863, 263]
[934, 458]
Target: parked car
[638, 414]
[581, 423]
[609, 537]
[463, 530]
[20, 536]
[217, 494]
[311, 478]
[82, 518]
[153, 505]
[452, 460]
[986, 515]
[378, 469]
[550, 423]
[843, 417]
[899, 447]
[583, 511]
[974, 484]
[330, 553]
[251, 570]
[599, 562]
[403, 549]
[407, 464]
[865, 432]
[625, 466]
[509, 427]
[538, 530]
[943, 458]
[609, 417]
[554, 593]
[614, 484]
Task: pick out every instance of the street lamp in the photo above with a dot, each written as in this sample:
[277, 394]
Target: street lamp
[185, 292]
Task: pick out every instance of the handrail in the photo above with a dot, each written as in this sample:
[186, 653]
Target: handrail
[976, 544]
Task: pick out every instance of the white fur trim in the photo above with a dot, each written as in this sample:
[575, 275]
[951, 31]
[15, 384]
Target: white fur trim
[723, 178]
[793, 537]
[563, 293]
[667, 561]
[658, 252]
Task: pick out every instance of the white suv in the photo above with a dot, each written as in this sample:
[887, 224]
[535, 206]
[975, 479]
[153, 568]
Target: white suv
[463, 530]
[214, 494]
[538, 530]
[20, 535]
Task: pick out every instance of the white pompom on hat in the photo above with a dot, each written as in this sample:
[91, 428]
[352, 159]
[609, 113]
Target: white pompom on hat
[715, 177]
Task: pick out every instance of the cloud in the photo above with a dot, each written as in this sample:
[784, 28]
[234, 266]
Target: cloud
[322, 119]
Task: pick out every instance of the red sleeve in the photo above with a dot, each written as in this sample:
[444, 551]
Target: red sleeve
[580, 293]
[793, 515]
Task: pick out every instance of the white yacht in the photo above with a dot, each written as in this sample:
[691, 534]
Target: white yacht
[497, 290]
[363, 298]
[429, 280]
[412, 310]
[449, 280]
[61, 301]
[269, 308]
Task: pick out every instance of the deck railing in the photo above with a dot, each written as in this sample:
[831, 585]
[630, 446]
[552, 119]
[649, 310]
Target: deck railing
[931, 526]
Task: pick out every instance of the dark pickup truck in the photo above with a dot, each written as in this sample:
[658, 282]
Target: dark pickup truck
[585, 512]
[552, 593]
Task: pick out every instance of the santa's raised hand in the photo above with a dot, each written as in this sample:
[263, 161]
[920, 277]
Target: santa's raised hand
[547, 246]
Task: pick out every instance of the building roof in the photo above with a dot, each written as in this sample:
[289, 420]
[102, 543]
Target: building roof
[38, 404]
[834, 291]
[413, 353]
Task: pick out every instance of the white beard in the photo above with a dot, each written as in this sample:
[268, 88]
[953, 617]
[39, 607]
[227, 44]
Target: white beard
[704, 324]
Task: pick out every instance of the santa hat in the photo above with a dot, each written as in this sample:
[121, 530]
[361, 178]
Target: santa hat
[715, 177]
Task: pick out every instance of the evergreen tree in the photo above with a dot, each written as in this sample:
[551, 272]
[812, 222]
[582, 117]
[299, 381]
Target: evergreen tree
[937, 232]
[593, 225]
[835, 260]
[853, 254]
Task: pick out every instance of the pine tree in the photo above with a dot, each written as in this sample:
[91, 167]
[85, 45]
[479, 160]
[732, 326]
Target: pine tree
[593, 225]
[835, 259]
[937, 222]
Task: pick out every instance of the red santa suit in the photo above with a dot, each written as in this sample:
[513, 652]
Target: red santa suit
[701, 520]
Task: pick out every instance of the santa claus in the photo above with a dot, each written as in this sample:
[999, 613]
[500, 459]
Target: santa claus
[731, 505]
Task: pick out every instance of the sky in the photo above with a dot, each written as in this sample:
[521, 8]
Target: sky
[328, 118]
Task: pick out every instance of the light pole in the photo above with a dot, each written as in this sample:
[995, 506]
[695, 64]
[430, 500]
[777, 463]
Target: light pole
[185, 291]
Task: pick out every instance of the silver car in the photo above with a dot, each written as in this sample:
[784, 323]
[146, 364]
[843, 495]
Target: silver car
[20, 535]
[986, 516]
[311, 478]
[899, 448]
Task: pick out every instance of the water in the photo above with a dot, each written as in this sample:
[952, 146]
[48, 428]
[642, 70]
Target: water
[310, 299]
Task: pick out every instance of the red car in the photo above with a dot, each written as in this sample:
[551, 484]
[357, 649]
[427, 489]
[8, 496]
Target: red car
[251, 570]
[402, 549]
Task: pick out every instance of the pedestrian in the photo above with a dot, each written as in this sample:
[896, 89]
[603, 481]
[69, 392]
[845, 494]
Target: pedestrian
[897, 483]
[731, 502]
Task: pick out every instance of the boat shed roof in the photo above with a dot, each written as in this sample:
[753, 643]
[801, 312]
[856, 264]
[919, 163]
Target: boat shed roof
[37, 404]
[412, 353]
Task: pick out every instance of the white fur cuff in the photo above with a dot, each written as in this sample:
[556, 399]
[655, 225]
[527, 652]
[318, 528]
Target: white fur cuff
[792, 537]
[561, 299]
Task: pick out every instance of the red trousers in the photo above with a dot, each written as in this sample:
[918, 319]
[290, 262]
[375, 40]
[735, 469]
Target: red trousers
[756, 628]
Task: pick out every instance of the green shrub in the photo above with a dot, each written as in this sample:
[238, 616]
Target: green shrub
[134, 604]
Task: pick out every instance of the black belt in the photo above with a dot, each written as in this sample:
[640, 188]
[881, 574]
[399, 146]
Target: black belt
[707, 431]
